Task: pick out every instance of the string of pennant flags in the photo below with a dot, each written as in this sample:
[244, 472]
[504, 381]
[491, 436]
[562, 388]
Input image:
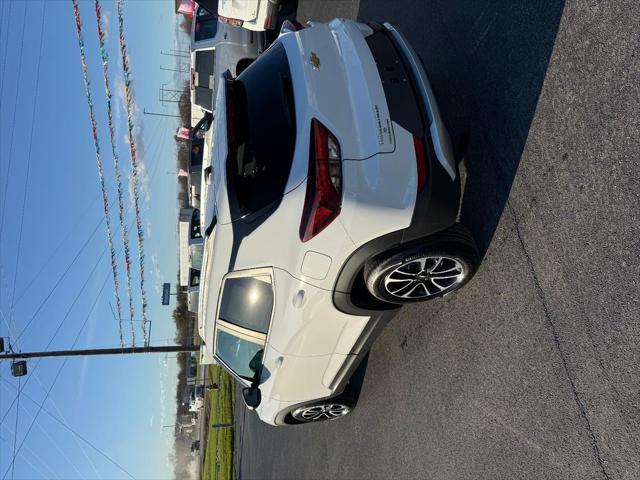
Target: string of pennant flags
[135, 166]
[134, 163]
[105, 201]
[116, 165]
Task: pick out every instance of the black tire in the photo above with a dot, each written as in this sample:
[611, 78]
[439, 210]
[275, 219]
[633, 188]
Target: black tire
[430, 268]
[297, 416]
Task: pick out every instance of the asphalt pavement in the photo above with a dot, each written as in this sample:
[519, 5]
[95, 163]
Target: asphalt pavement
[532, 371]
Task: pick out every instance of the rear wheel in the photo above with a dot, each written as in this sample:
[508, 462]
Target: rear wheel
[434, 267]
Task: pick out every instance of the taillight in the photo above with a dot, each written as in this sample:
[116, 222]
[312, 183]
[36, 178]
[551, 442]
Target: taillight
[323, 199]
[236, 22]
[267, 22]
[421, 161]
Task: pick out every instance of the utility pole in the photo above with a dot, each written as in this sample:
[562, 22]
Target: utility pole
[101, 351]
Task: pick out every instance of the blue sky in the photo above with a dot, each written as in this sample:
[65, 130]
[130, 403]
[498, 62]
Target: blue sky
[120, 404]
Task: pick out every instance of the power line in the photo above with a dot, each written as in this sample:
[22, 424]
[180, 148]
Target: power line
[13, 121]
[6, 48]
[52, 441]
[15, 428]
[65, 317]
[26, 180]
[41, 405]
[52, 255]
[62, 417]
[35, 456]
[74, 432]
[55, 286]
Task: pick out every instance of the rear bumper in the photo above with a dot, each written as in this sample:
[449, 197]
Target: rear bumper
[411, 105]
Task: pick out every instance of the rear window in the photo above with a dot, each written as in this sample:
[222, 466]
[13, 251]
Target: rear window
[261, 130]
[203, 79]
[206, 25]
[247, 302]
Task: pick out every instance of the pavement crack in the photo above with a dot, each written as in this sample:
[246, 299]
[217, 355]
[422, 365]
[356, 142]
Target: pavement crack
[556, 340]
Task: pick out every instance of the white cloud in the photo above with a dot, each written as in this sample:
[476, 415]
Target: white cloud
[106, 21]
[155, 262]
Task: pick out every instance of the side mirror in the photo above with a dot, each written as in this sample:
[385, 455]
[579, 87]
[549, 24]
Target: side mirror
[256, 362]
[251, 396]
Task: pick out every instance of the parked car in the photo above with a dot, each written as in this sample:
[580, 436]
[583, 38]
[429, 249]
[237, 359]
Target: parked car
[216, 47]
[196, 399]
[195, 448]
[333, 201]
[191, 253]
[256, 15]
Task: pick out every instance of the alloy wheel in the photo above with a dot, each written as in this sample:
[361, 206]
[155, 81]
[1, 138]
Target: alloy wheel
[425, 277]
[315, 413]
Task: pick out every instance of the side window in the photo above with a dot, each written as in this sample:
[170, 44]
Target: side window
[239, 353]
[195, 224]
[247, 302]
[197, 150]
[194, 277]
[202, 127]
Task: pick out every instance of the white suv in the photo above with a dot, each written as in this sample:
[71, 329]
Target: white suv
[334, 198]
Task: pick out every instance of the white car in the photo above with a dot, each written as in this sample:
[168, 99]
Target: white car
[256, 15]
[334, 200]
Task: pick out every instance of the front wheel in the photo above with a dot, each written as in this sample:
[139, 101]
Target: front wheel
[437, 266]
[328, 409]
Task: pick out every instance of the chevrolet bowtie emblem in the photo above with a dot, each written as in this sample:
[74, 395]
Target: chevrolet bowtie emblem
[315, 61]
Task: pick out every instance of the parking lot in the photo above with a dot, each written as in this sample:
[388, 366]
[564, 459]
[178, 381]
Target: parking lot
[532, 370]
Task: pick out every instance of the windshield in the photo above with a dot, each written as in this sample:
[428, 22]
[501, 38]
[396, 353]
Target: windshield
[237, 353]
[261, 130]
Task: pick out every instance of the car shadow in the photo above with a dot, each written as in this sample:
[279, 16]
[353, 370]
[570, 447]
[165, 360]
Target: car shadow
[487, 61]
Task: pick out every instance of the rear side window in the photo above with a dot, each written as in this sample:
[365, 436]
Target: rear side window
[203, 79]
[247, 302]
[262, 132]
[206, 25]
